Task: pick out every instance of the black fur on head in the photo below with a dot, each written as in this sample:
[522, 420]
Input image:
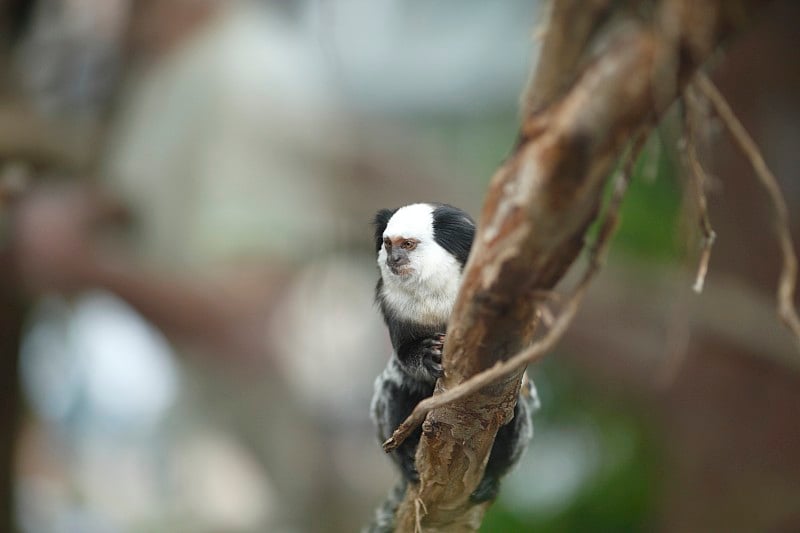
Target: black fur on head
[379, 223]
[453, 230]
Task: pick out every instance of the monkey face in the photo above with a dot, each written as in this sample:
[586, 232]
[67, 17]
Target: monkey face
[400, 253]
[421, 250]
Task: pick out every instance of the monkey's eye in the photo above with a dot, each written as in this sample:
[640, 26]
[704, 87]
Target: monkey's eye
[387, 242]
[408, 245]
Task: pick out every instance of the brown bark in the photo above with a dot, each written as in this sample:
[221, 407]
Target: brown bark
[537, 210]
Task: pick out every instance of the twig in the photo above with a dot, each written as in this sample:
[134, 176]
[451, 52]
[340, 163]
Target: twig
[699, 180]
[542, 346]
[788, 277]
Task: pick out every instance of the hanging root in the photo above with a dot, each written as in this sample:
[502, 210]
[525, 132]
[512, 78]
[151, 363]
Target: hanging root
[788, 277]
[699, 181]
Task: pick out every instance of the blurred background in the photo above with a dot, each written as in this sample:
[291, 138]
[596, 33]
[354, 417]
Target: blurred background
[187, 335]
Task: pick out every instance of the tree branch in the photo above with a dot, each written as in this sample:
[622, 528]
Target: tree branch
[569, 28]
[539, 205]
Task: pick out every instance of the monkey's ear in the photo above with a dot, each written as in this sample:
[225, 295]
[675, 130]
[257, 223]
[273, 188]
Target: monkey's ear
[379, 223]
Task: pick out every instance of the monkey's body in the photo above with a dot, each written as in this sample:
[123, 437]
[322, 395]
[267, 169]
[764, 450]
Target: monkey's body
[422, 249]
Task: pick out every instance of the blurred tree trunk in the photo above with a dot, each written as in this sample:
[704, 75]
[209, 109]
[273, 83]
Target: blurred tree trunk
[592, 93]
[12, 17]
[10, 327]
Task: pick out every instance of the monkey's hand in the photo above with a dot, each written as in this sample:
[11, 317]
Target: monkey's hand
[432, 355]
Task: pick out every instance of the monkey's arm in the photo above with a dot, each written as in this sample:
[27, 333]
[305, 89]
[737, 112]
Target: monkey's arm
[418, 349]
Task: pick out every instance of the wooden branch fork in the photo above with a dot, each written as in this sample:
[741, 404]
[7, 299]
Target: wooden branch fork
[592, 94]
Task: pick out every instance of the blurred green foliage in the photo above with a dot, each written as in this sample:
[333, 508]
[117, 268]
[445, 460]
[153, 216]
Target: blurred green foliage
[618, 495]
[650, 211]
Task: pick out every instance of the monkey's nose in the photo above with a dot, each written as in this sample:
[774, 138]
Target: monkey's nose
[396, 260]
[396, 264]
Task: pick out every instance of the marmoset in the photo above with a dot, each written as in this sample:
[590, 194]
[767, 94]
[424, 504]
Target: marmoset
[422, 249]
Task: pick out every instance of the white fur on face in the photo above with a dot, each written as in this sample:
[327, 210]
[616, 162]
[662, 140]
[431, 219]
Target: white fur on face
[428, 293]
